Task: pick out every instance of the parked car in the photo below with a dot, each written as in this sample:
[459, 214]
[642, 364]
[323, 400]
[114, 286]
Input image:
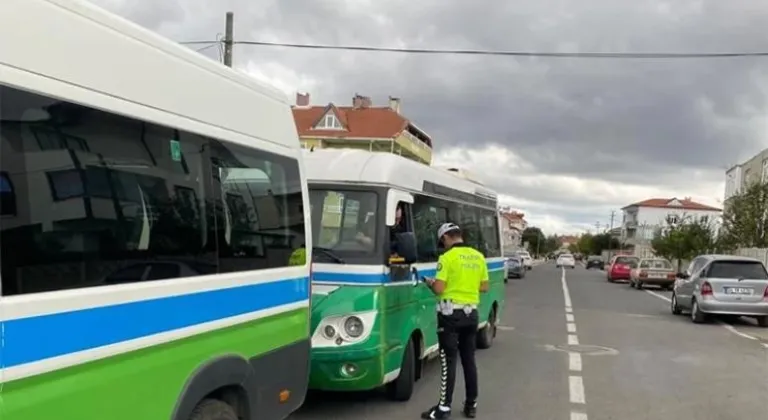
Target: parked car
[654, 271]
[515, 268]
[619, 267]
[565, 260]
[526, 259]
[595, 261]
[722, 285]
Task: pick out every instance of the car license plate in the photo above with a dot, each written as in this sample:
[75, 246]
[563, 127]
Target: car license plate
[657, 276]
[738, 291]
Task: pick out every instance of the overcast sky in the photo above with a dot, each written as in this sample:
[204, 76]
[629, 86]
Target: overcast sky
[564, 140]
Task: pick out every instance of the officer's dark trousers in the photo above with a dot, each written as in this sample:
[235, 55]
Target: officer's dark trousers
[456, 335]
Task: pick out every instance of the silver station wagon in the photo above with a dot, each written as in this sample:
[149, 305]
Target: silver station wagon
[722, 285]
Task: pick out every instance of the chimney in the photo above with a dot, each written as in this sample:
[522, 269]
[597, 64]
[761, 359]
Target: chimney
[302, 99]
[360, 101]
[394, 104]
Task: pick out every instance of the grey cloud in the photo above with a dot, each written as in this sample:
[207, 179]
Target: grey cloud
[630, 121]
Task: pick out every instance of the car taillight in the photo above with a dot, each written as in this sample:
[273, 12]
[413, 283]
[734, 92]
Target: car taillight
[765, 294]
[643, 274]
[706, 289]
[671, 276]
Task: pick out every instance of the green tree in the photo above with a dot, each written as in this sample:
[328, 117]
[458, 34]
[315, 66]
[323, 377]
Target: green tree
[745, 219]
[684, 239]
[602, 242]
[535, 239]
[585, 244]
[551, 244]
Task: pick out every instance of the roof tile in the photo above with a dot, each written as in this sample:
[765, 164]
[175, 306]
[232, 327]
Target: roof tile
[369, 122]
[685, 204]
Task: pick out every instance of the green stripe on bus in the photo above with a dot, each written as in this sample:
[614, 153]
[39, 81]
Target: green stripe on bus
[146, 383]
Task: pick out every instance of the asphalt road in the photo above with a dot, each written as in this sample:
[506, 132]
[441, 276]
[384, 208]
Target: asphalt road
[581, 348]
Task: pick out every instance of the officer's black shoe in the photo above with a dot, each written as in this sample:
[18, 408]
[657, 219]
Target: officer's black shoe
[437, 412]
[470, 410]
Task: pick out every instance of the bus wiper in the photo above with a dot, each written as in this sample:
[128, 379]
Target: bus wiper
[328, 253]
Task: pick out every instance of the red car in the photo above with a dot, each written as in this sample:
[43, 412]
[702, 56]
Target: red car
[619, 267]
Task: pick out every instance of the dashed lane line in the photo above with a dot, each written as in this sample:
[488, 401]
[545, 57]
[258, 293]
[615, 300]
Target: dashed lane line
[728, 327]
[576, 392]
[576, 388]
[574, 362]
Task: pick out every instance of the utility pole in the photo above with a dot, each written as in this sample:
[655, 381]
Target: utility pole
[613, 215]
[229, 34]
[597, 228]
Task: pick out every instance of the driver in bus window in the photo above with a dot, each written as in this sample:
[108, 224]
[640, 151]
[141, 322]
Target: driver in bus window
[393, 231]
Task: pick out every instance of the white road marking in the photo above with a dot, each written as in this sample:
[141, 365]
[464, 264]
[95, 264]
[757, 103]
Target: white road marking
[732, 329]
[728, 327]
[574, 362]
[566, 295]
[575, 415]
[576, 390]
[575, 383]
[660, 296]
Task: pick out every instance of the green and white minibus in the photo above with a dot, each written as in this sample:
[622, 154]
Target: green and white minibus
[373, 322]
[150, 200]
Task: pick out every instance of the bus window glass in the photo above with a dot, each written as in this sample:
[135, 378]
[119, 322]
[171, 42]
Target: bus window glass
[258, 212]
[467, 218]
[100, 196]
[489, 226]
[348, 221]
[428, 215]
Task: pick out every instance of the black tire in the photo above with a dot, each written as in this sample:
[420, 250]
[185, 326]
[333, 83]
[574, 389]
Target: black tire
[697, 316]
[639, 285]
[673, 306]
[401, 389]
[762, 321]
[486, 335]
[213, 410]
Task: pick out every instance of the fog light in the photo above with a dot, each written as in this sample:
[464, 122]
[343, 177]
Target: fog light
[329, 331]
[349, 369]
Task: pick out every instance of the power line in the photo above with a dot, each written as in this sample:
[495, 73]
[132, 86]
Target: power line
[206, 47]
[588, 55]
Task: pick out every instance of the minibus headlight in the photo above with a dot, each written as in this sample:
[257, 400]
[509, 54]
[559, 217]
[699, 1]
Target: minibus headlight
[354, 327]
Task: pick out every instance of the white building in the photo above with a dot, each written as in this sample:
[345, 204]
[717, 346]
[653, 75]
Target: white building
[746, 173]
[641, 220]
[512, 226]
[733, 182]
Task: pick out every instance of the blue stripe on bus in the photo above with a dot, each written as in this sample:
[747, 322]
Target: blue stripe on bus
[362, 278]
[41, 337]
[377, 279]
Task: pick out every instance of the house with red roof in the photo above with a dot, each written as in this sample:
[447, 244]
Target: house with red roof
[361, 126]
[642, 220]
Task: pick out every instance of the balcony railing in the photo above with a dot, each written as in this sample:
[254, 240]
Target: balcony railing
[420, 143]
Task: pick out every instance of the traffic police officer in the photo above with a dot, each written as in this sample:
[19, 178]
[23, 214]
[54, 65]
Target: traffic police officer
[462, 274]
